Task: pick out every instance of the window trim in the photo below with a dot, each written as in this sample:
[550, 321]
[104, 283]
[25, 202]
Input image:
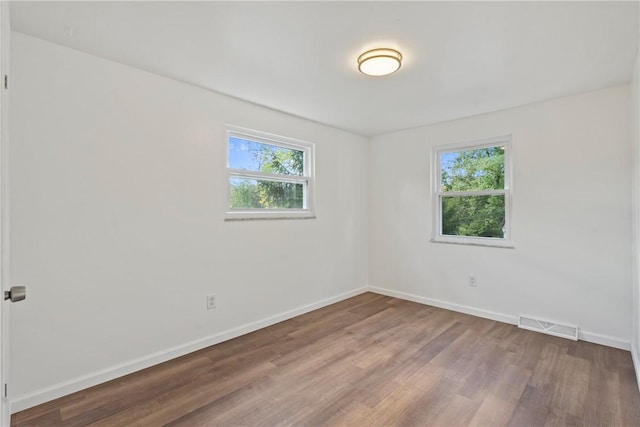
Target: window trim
[437, 194]
[307, 179]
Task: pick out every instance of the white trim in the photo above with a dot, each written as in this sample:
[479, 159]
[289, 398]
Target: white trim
[5, 312]
[290, 179]
[592, 337]
[606, 340]
[266, 138]
[491, 242]
[437, 194]
[635, 356]
[487, 314]
[478, 143]
[473, 193]
[234, 216]
[80, 383]
[307, 179]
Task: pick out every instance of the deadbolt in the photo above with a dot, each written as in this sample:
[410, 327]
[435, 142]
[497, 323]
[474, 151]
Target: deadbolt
[16, 293]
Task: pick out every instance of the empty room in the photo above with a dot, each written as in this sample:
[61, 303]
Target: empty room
[320, 213]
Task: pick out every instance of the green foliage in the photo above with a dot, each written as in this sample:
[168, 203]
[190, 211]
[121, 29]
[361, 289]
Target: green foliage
[278, 160]
[256, 194]
[475, 170]
[244, 194]
[481, 169]
[481, 216]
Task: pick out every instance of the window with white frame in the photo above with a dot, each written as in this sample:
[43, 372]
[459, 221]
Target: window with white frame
[472, 192]
[268, 176]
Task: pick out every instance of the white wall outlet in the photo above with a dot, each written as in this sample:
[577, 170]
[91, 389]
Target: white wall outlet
[211, 302]
[472, 281]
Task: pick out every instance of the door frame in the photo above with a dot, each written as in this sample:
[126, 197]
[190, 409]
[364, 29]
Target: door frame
[5, 30]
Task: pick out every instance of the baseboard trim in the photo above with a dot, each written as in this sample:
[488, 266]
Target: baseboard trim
[607, 340]
[62, 389]
[635, 356]
[500, 317]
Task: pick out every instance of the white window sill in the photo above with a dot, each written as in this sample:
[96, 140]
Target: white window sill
[475, 241]
[268, 215]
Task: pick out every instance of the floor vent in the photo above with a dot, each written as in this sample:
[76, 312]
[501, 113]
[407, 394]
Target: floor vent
[547, 327]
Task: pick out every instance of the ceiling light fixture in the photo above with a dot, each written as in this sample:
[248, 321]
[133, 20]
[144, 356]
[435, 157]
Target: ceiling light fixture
[379, 62]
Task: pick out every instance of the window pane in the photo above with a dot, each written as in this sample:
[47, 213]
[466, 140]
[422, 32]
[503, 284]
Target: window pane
[481, 169]
[481, 216]
[263, 194]
[258, 157]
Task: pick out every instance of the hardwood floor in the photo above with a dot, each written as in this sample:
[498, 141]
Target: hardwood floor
[369, 360]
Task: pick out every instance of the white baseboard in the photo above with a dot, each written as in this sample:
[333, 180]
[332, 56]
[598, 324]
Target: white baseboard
[635, 356]
[604, 340]
[62, 389]
[500, 317]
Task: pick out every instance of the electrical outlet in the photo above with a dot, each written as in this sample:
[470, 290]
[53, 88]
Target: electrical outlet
[472, 281]
[211, 302]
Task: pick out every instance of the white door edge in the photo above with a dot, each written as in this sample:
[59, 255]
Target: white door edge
[5, 405]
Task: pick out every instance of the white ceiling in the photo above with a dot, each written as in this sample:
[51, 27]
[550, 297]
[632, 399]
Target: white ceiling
[460, 58]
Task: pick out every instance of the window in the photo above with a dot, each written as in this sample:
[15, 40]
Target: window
[472, 192]
[268, 176]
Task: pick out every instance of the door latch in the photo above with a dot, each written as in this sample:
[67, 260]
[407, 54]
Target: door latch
[16, 293]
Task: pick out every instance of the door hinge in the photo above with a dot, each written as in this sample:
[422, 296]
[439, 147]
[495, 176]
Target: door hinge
[6, 81]
[6, 392]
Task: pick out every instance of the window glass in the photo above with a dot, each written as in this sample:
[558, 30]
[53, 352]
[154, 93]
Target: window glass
[260, 157]
[472, 191]
[249, 193]
[480, 169]
[479, 216]
[268, 176]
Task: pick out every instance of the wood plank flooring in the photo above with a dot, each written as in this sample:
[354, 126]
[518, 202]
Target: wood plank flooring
[369, 360]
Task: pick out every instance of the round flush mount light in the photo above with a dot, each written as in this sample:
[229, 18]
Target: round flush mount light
[379, 62]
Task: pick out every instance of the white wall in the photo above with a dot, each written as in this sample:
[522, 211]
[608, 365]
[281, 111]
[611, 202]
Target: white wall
[117, 182]
[571, 217]
[635, 141]
[117, 205]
